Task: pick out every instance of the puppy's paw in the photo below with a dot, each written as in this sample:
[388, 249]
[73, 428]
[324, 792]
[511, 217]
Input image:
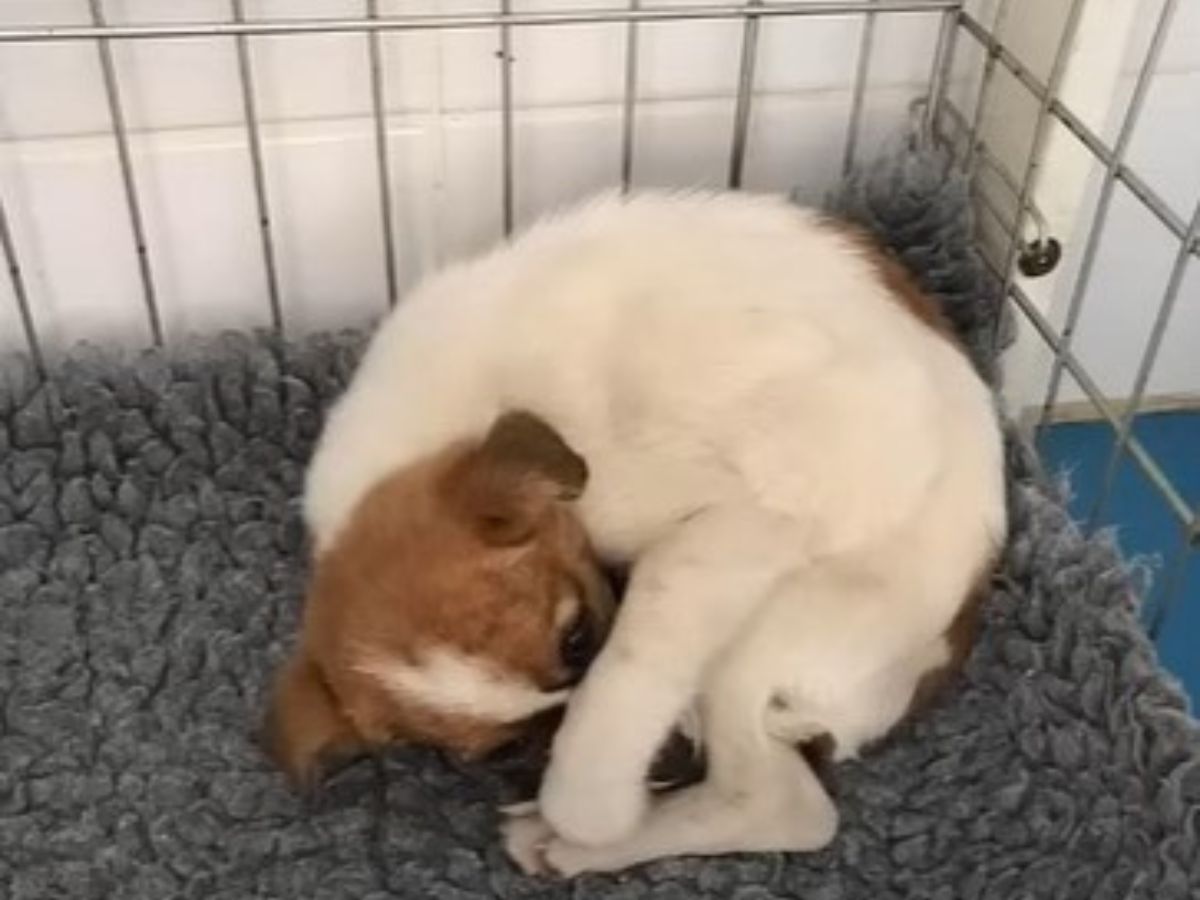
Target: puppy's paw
[532, 845]
[566, 860]
[590, 811]
[527, 838]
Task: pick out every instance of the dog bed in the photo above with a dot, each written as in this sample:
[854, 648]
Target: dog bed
[152, 564]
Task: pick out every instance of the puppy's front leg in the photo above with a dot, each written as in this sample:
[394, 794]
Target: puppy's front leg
[687, 597]
[793, 814]
[761, 794]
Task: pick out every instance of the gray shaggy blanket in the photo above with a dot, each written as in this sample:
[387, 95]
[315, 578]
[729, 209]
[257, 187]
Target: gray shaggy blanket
[151, 569]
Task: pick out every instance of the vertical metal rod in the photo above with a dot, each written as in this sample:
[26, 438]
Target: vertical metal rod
[250, 113]
[1153, 344]
[382, 155]
[943, 57]
[745, 94]
[1033, 165]
[137, 225]
[508, 200]
[985, 81]
[861, 75]
[17, 280]
[629, 107]
[1100, 216]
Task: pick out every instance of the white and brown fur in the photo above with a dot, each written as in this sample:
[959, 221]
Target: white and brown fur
[780, 437]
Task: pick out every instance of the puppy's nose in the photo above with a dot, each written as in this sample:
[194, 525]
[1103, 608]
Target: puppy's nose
[580, 644]
[616, 578]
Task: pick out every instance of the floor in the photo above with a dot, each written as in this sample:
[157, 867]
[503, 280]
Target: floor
[1146, 527]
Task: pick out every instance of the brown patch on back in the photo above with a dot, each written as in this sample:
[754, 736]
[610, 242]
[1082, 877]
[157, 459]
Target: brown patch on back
[901, 285]
[903, 288]
[472, 550]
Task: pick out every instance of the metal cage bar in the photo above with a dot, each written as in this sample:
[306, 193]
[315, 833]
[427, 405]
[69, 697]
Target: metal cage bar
[991, 56]
[633, 14]
[745, 95]
[137, 225]
[373, 24]
[1041, 325]
[1146, 365]
[999, 216]
[984, 157]
[258, 167]
[17, 279]
[943, 58]
[1147, 195]
[1041, 131]
[629, 100]
[41, 33]
[505, 57]
[1116, 170]
[1107, 188]
[382, 156]
[862, 74]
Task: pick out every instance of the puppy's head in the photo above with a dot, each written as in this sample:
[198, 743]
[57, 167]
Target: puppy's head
[461, 600]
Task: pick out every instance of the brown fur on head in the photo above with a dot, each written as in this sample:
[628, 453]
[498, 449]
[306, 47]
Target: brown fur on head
[443, 605]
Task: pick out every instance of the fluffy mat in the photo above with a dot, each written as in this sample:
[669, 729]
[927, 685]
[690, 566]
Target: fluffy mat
[151, 569]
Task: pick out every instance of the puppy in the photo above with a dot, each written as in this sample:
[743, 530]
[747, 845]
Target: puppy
[781, 438]
[460, 599]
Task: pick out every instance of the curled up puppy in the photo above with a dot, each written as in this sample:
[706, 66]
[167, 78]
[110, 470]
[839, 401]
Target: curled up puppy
[746, 403]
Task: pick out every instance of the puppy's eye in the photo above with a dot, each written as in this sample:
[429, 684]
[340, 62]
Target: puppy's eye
[576, 648]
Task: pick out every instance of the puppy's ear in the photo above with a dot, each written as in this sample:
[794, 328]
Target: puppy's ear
[529, 448]
[305, 729]
[507, 484]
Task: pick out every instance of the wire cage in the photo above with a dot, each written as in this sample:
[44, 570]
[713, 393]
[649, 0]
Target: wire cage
[1011, 89]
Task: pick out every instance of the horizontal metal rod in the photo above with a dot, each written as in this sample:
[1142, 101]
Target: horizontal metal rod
[988, 205]
[1180, 507]
[37, 33]
[1147, 195]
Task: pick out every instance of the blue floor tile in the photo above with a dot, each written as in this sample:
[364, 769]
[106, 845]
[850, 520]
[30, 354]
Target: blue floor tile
[1146, 526]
